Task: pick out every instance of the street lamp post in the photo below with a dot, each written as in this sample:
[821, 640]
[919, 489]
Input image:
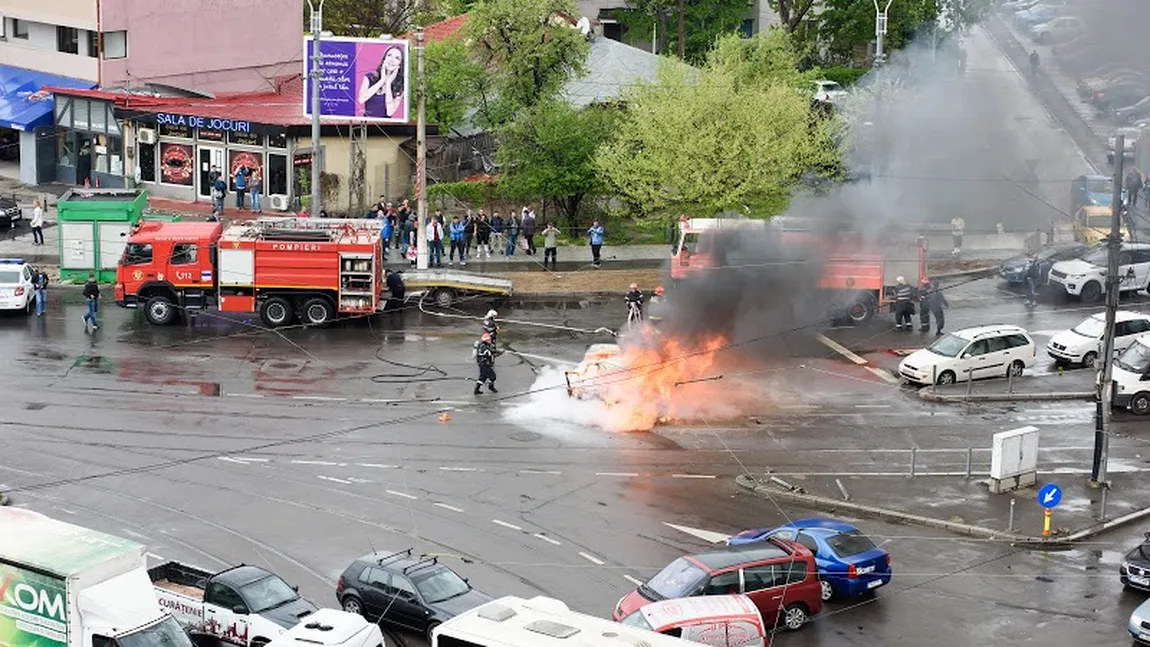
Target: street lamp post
[316, 76]
[880, 30]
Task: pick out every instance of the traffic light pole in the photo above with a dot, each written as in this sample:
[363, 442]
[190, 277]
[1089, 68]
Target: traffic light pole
[1098, 473]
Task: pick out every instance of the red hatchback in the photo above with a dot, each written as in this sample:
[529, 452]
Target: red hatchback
[779, 576]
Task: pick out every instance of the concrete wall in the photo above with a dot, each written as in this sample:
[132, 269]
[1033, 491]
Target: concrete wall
[210, 45]
[72, 13]
[28, 157]
[38, 51]
[389, 169]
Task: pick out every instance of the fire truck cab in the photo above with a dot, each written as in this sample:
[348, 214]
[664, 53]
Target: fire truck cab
[281, 268]
[857, 273]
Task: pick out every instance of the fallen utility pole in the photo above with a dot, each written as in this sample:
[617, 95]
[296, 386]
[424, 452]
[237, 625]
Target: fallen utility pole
[1098, 473]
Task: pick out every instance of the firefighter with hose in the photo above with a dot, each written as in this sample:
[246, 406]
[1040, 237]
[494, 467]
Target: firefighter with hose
[634, 300]
[489, 327]
[485, 354]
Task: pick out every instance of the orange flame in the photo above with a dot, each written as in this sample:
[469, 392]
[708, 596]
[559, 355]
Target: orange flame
[658, 380]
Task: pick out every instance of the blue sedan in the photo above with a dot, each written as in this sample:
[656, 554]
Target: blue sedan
[849, 563]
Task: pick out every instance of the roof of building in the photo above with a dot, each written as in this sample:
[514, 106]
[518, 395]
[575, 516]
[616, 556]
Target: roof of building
[612, 69]
[23, 103]
[282, 107]
[443, 30]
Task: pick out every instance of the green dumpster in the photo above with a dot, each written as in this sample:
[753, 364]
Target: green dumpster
[94, 225]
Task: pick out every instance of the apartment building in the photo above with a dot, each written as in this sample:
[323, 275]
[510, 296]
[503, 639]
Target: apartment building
[203, 47]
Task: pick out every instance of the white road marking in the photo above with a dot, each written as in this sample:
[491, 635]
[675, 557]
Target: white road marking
[155, 557]
[244, 395]
[705, 535]
[840, 349]
[379, 466]
[380, 401]
[253, 460]
[404, 495]
[334, 480]
[616, 474]
[591, 558]
[884, 374]
[229, 459]
[459, 469]
[449, 507]
[554, 542]
[327, 463]
[872, 406]
[634, 580]
[132, 533]
[505, 524]
[552, 472]
[693, 476]
[318, 398]
[355, 480]
[65, 510]
[797, 407]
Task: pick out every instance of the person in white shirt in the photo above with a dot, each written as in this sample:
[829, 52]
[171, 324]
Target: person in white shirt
[957, 228]
[37, 223]
[435, 241]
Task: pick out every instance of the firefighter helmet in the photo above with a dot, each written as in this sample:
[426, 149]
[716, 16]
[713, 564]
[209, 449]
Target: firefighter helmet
[491, 314]
[659, 291]
[634, 286]
[901, 280]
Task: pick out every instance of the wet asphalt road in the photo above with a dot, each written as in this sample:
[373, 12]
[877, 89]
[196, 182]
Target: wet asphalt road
[224, 443]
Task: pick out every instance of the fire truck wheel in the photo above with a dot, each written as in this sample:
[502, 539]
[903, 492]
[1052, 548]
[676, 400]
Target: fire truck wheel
[861, 310]
[276, 312]
[317, 312]
[160, 311]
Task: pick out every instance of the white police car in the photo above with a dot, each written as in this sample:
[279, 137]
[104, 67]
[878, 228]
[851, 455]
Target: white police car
[16, 292]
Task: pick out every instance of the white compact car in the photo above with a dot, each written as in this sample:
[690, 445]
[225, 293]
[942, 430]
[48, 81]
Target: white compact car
[331, 628]
[971, 353]
[1082, 344]
[16, 291]
[1086, 277]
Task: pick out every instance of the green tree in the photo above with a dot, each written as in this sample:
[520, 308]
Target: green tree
[549, 151]
[703, 22]
[847, 26]
[366, 18]
[734, 135]
[453, 79]
[527, 50]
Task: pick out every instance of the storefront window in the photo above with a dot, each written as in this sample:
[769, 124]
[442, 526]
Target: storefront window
[276, 180]
[80, 120]
[100, 152]
[278, 140]
[98, 117]
[169, 130]
[147, 161]
[63, 112]
[65, 148]
[246, 139]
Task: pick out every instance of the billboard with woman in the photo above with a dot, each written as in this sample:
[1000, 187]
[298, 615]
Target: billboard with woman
[363, 79]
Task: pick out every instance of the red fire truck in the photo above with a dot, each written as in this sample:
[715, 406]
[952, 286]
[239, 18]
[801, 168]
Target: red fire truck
[860, 273]
[280, 268]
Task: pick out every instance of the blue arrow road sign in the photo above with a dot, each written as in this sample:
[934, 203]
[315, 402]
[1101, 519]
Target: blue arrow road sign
[1050, 495]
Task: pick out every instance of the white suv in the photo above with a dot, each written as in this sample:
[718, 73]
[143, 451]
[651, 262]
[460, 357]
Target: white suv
[1082, 344]
[1086, 277]
[984, 351]
[16, 291]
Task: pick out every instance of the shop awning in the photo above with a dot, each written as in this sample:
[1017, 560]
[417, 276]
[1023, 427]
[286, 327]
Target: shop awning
[23, 104]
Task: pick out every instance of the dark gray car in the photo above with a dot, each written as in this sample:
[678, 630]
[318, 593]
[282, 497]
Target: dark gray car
[405, 590]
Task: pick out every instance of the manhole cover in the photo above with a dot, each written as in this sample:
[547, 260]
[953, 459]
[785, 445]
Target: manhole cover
[525, 436]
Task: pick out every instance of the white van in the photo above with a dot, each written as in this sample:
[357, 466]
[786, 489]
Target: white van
[997, 350]
[541, 622]
[331, 628]
[1132, 377]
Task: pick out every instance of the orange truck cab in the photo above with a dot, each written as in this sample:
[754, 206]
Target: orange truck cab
[282, 268]
[859, 274]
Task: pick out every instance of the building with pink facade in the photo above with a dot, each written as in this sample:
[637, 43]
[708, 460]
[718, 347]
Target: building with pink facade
[198, 47]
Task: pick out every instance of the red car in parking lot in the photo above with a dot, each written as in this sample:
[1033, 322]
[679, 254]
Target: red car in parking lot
[779, 576]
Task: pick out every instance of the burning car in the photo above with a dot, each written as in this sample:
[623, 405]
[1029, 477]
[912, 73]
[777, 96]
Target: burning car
[598, 361]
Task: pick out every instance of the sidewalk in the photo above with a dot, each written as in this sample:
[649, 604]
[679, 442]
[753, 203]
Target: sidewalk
[1075, 384]
[941, 496]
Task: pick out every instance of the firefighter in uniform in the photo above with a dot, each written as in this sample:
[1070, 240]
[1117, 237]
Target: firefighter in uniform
[924, 304]
[903, 305]
[489, 327]
[655, 307]
[485, 354]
